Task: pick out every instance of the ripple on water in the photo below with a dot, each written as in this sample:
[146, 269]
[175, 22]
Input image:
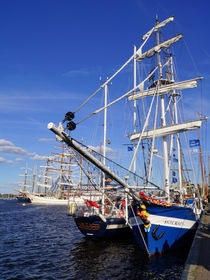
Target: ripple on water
[42, 242]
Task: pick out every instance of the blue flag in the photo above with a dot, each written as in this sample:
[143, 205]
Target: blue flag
[174, 180]
[194, 143]
[130, 148]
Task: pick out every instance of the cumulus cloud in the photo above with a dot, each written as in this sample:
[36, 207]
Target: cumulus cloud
[38, 157]
[11, 149]
[4, 142]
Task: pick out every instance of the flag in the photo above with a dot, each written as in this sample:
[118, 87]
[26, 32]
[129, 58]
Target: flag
[130, 148]
[174, 180]
[108, 180]
[123, 203]
[173, 173]
[194, 143]
[91, 203]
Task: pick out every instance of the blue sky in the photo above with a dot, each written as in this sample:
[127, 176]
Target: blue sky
[53, 53]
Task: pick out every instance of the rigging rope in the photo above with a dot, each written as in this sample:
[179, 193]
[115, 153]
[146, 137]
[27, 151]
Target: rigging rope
[116, 100]
[102, 86]
[140, 230]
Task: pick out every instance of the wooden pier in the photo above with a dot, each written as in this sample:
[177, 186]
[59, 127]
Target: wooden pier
[197, 266]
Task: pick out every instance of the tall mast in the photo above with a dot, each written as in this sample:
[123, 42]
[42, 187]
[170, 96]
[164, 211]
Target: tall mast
[104, 145]
[25, 179]
[163, 121]
[201, 161]
[175, 120]
[34, 180]
[134, 105]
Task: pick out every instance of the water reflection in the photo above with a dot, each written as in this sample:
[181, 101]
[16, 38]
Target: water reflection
[121, 259]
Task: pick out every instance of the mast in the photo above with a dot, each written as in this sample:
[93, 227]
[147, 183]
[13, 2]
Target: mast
[163, 121]
[175, 120]
[34, 180]
[25, 175]
[201, 162]
[178, 151]
[104, 146]
[134, 113]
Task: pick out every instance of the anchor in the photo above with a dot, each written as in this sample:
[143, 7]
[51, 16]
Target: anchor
[154, 233]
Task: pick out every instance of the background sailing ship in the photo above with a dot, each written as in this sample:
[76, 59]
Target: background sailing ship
[58, 182]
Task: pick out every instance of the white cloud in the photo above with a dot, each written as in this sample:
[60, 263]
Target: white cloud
[11, 149]
[4, 142]
[3, 160]
[38, 157]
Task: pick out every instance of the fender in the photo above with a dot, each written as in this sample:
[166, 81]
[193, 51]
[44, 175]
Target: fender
[154, 233]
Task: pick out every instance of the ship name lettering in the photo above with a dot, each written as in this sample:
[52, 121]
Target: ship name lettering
[175, 223]
[88, 226]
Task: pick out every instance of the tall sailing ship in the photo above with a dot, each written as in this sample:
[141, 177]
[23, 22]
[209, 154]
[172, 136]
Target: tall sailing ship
[25, 186]
[58, 183]
[163, 197]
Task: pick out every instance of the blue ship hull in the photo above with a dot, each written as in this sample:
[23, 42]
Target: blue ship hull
[95, 227]
[171, 228]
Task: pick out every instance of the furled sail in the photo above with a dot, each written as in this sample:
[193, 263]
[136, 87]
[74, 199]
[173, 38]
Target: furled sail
[164, 88]
[24, 185]
[44, 185]
[159, 25]
[157, 48]
[167, 130]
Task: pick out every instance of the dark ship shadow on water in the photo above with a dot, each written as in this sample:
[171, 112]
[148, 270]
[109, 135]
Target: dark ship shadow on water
[122, 259]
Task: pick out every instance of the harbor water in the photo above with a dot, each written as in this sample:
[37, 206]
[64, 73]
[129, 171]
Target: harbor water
[43, 242]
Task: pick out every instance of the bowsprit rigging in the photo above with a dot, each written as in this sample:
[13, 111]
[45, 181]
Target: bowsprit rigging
[70, 125]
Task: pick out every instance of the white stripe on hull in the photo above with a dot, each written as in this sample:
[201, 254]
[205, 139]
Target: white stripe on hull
[54, 201]
[116, 226]
[171, 222]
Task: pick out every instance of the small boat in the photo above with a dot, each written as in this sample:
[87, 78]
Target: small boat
[163, 215]
[23, 198]
[23, 193]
